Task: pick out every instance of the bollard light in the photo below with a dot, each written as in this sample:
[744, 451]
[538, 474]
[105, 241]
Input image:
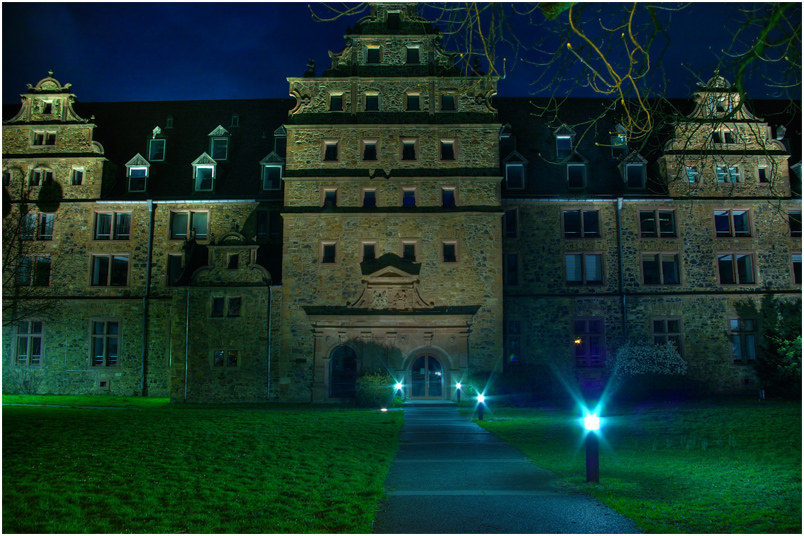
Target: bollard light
[398, 386]
[592, 424]
[458, 392]
[480, 403]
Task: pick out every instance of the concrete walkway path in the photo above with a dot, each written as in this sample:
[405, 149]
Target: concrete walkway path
[452, 476]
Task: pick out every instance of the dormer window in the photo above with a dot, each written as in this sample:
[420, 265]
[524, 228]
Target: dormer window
[235, 120]
[137, 178]
[576, 175]
[169, 121]
[280, 141]
[204, 173]
[156, 150]
[412, 54]
[515, 176]
[219, 144]
[394, 20]
[619, 142]
[271, 176]
[563, 146]
[635, 175]
[372, 54]
[137, 173]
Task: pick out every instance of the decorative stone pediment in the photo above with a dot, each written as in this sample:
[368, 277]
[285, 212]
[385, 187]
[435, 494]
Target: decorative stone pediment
[219, 132]
[391, 288]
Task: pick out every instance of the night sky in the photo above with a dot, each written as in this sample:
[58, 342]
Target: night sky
[190, 51]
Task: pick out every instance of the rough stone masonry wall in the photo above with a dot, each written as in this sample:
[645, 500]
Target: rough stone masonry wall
[474, 280]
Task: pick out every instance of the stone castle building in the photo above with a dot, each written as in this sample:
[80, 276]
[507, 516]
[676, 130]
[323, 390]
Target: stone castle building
[394, 215]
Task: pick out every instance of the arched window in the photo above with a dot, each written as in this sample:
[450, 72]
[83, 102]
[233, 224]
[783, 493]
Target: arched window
[342, 372]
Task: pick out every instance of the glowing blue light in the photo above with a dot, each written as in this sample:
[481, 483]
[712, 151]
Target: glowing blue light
[458, 385]
[591, 422]
[398, 386]
[481, 398]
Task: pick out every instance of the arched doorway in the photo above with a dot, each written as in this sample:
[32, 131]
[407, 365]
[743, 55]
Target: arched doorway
[342, 372]
[427, 378]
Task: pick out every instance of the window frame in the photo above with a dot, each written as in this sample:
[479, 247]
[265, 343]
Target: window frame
[443, 252]
[453, 107]
[77, 176]
[413, 97]
[373, 196]
[507, 232]
[190, 227]
[114, 223]
[677, 336]
[582, 233]
[642, 175]
[106, 336]
[508, 184]
[576, 165]
[582, 338]
[584, 280]
[323, 245]
[225, 359]
[30, 335]
[213, 148]
[693, 174]
[445, 202]
[409, 242]
[336, 101]
[131, 178]
[198, 180]
[369, 59]
[375, 95]
[794, 223]
[365, 144]
[445, 143]
[330, 155]
[110, 269]
[735, 255]
[329, 196]
[657, 222]
[732, 231]
[265, 184]
[374, 244]
[564, 150]
[658, 256]
[742, 334]
[152, 153]
[795, 267]
[408, 192]
[728, 171]
[413, 144]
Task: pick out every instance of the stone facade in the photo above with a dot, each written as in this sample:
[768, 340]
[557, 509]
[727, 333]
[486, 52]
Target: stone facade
[394, 216]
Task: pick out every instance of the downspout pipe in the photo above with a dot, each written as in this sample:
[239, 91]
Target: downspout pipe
[621, 282]
[186, 341]
[270, 325]
[145, 301]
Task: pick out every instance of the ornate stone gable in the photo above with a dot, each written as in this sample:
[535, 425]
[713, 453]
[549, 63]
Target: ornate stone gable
[391, 288]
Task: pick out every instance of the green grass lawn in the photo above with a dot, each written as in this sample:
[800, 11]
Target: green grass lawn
[158, 468]
[718, 467]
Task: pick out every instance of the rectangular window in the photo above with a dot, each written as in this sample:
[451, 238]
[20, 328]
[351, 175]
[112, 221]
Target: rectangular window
[41, 275]
[105, 340]
[185, 225]
[728, 174]
[448, 197]
[589, 341]
[46, 223]
[219, 148]
[109, 270]
[447, 150]
[24, 270]
[41, 176]
[204, 178]
[584, 268]
[409, 251]
[373, 54]
[667, 329]
[29, 343]
[743, 338]
[660, 269]
[794, 221]
[174, 268]
[563, 146]
[112, 225]
[412, 102]
[369, 149]
[369, 198]
[330, 196]
[78, 177]
[581, 224]
[336, 102]
[330, 151]
[511, 268]
[735, 269]
[369, 251]
[137, 179]
[328, 252]
[412, 55]
[271, 177]
[732, 223]
[635, 175]
[47, 107]
[218, 307]
[762, 175]
[447, 103]
[576, 175]
[233, 261]
[408, 150]
[33, 271]
[449, 252]
[38, 138]
[692, 174]
[234, 305]
[796, 268]
[657, 223]
[409, 197]
[372, 102]
[515, 176]
[156, 150]
[510, 220]
[225, 359]
[28, 227]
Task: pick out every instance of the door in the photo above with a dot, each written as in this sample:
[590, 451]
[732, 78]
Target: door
[427, 378]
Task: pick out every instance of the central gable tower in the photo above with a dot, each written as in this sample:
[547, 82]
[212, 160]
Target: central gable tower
[392, 171]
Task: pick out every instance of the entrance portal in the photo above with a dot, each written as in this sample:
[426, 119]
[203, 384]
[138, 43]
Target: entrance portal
[427, 378]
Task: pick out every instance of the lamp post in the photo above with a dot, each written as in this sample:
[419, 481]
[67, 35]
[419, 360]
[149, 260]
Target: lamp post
[480, 400]
[458, 391]
[592, 424]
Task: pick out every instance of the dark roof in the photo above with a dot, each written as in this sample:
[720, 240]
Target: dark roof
[124, 128]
